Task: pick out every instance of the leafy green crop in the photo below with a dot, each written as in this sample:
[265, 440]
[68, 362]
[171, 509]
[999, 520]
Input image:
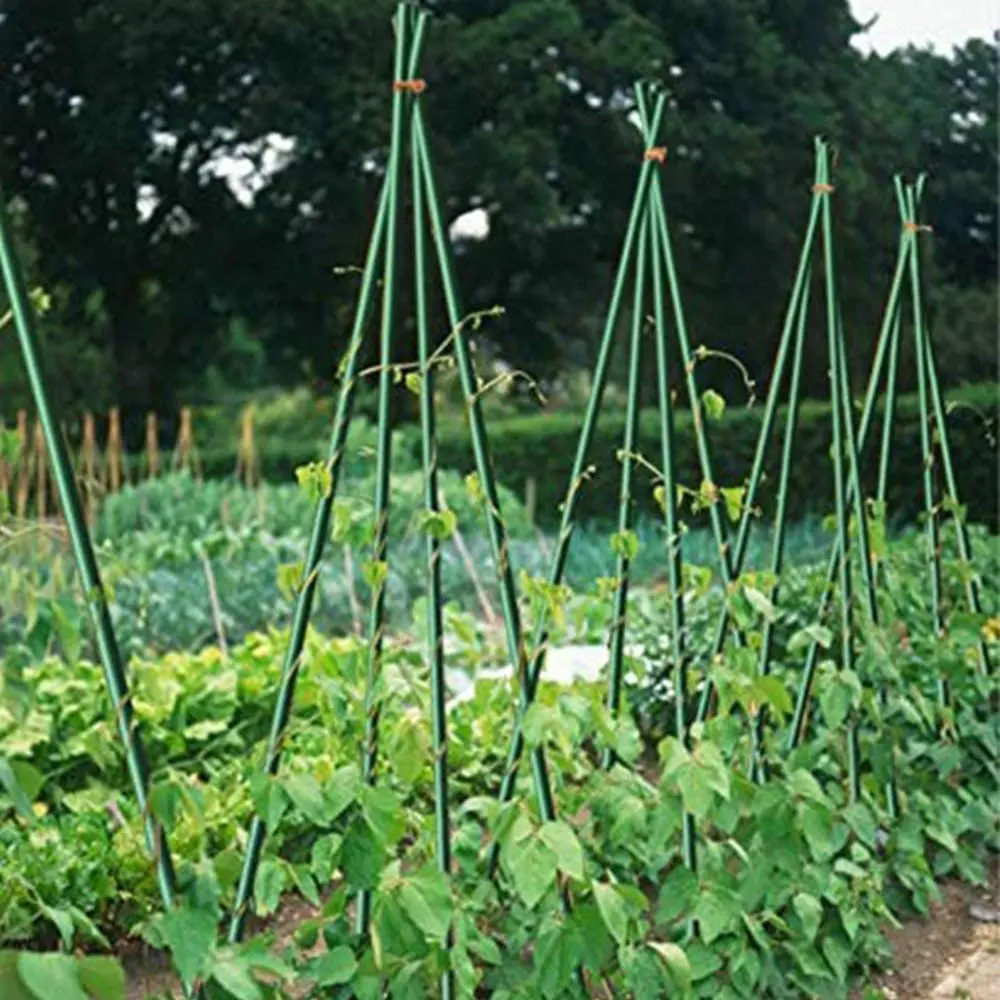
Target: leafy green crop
[794, 883]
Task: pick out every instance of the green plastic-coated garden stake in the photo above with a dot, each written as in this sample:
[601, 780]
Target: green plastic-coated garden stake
[317, 543]
[432, 502]
[889, 319]
[675, 568]
[86, 563]
[941, 427]
[383, 463]
[840, 414]
[716, 520]
[305, 598]
[577, 476]
[619, 614]
[932, 525]
[484, 469]
[763, 439]
[760, 765]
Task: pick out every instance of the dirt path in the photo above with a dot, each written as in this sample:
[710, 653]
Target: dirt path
[947, 956]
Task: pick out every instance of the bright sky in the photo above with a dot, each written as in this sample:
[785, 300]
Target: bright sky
[941, 23]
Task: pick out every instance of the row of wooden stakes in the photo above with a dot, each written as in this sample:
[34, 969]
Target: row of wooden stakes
[27, 481]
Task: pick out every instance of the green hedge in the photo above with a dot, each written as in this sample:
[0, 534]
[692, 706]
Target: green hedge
[543, 448]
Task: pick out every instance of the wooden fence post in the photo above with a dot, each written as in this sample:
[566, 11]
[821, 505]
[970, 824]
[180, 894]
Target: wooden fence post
[23, 466]
[41, 473]
[113, 456]
[90, 465]
[152, 446]
[246, 460]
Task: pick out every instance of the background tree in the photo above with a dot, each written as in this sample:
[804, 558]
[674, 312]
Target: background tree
[122, 124]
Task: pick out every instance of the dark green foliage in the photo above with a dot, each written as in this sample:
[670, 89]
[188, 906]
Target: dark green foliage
[542, 447]
[198, 291]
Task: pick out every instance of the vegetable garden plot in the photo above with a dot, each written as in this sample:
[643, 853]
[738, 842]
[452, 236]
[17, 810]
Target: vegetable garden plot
[430, 910]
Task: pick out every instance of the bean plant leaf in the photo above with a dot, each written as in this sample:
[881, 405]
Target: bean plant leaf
[613, 910]
[533, 869]
[234, 975]
[12, 786]
[625, 544]
[102, 977]
[333, 968]
[810, 912]
[675, 960]
[342, 790]
[363, 856]
[190, 935]
[714, 404]
[307, 796]
[560, 838]
[50, 976]
[426, 898]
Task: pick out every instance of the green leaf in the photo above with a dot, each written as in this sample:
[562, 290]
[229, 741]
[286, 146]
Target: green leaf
[805, 637]
[613, 910]
[63, 921]
[11, 785]
[533, 868]
[190, 936]
[409, 749]
[713, 404]
[440, 524]
[716, 911]
[760, 603]
[675, 960]
[315, 480]
[307, 796]
[838, 954]
[677, 895]
[384, 813]
[733, 497]
[165, 801]
[375, 573]
[810, 912]
[234, 976]
[272, 880]
[324, 856]
[414, 383]
[342, 790]
[363, 856]
[862, 821]
[290, 579]
[334, 968]
[560, 838]
[802, 783]
[625, 544]
[50, 976]
[426, 898]
[771, 692]
[102, 977]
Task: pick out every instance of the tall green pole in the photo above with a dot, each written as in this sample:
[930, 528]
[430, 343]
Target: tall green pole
[760, 768]
[435, 598]
[619, 614]
[868, 410]
[383, 465]
[317, 543]
[94, 594]
[568, 522]
[671, 523]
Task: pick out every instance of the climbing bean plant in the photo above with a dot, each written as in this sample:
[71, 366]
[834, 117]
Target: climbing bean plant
[697, 860]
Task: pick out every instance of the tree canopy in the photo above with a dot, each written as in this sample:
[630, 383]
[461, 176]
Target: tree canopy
[123, 121]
